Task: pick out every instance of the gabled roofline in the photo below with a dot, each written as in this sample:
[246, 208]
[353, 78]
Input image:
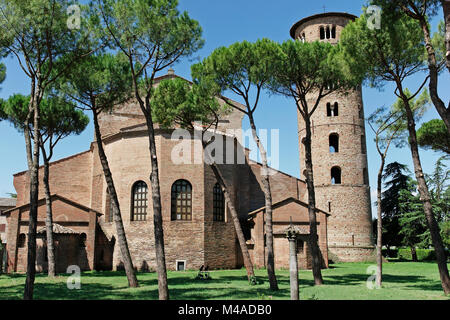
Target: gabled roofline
[270, 168]
[282, 203]
[54, 162]
[57, 196]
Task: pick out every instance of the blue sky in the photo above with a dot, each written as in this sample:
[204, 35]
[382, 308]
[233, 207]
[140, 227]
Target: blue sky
[223, 23]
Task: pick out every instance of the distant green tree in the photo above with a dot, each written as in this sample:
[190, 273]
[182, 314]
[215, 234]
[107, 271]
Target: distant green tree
[412, 221]
[434, 135]
[438, 182]
[395, 178]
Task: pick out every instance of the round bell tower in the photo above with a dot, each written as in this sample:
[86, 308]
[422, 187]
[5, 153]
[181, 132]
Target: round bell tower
[339, 153]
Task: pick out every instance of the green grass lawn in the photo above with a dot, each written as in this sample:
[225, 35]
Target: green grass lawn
[402, 281]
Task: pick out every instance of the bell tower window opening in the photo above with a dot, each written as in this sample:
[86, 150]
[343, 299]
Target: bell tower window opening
[336, 176]
[334, 143]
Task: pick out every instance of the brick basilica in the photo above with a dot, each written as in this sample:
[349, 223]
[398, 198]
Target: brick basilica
[198, 229]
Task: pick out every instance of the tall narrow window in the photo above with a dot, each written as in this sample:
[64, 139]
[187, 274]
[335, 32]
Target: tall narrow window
[303, 37]
[218, 203]
[328, 32]
[332, 109]
[21, 240]
[333, 32]
[335, 109]
[336, 176]
[322, 33]
[181, 200]
[334, 143]
[139, 201]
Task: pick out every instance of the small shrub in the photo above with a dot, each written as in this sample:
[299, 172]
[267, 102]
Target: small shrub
[422, 254]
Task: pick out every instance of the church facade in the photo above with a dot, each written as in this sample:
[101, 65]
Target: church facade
[198, 229]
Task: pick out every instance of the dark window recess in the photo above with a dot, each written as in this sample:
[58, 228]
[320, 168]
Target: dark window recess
[322, 33]
[333, 109]
[300, 246]
[181, 200]
[82, 240]
[139, 201]
[21, 240]
[336, 176]
[181, 265]
[218, 203]
[334, 143]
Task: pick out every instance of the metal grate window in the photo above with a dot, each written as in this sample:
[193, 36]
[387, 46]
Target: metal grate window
[181, 200]
[140, 201]
[218, 204]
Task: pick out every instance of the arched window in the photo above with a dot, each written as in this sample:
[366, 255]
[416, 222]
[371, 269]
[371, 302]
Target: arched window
[181, 200]
[328, 32]
[322, 33]
[336, 176]
[21, 241]
[109, 208]
[218, 203]
[334, 143]
[333, 32]
[332, 109]
[335, 109]
[303, 38]
[139, 198]
[329, 110]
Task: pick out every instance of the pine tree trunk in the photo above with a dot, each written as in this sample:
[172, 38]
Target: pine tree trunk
[379, 275]
[33, 169]
[313, 237]
[446, 7]
[425, 197]
[434, 74]
[163, 288]
[49, 220]
[268, 215]
[237, 225]
[117, 215]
